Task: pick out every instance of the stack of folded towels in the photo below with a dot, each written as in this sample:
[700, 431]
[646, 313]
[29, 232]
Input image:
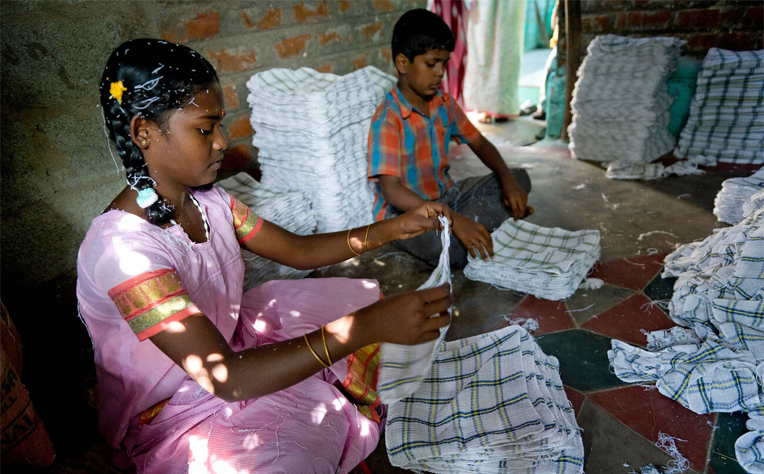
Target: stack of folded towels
[621, 102]
[288, 209]
[725, 115]
[491, 403]
[311, 130]
[548, 263]
[735, 193]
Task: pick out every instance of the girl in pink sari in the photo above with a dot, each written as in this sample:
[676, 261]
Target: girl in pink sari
[195, 376]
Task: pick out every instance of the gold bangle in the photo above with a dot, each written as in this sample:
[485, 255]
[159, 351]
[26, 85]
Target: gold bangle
[366, 239]
[351, 247]
[314, 352]
[326, 349]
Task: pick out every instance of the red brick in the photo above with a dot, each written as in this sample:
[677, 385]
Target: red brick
[239, 128]
[597, 6]
[595, 23]
[305, 14]
[237, 157]
[227, 61]
[325, 68]
[754, 15]
[740, 41]
[344, 5]
[271, 19]
[372, 31]
[700, 42]
[290, 47]
[697, 18]
[641, 3]
[729, 17]
[230, 97]
[360, 61]
[204, 25]
[632, 21]
[328, 37]
[384, 6]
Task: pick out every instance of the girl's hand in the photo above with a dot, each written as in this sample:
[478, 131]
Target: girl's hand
[421, 219]
[406, 318]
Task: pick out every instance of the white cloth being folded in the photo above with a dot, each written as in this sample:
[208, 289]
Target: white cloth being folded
[549, 263]
[492, 403]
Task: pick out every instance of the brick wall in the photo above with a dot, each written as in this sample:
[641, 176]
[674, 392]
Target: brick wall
[336, 37]
[57, 172]
[729, 24]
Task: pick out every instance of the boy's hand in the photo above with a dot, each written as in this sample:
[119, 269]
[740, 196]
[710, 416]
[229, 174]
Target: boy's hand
[515, 198]
[473, 235]
[422, 219]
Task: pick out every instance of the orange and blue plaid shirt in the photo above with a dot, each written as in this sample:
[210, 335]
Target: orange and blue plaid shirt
[404, 142]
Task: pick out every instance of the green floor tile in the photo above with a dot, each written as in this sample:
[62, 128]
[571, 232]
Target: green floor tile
[583, 359]
[721, 464]
[729, 427]
[660, 288]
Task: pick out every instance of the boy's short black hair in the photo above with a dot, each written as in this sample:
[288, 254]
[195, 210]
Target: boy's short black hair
[419, 31]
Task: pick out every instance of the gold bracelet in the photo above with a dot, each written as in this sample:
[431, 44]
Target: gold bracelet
[314, 352]
[349, 246]
[326, 349]
[366, 239]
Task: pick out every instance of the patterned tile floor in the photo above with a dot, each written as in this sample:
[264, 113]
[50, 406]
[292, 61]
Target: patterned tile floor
[621, 421]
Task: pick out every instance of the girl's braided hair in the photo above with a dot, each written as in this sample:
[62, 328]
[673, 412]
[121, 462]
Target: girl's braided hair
[156, 77]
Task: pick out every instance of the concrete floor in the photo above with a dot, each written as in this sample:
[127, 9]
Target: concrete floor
[621, 422]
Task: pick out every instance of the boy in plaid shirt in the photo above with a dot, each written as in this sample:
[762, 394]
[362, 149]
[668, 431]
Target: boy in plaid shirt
[408, 149]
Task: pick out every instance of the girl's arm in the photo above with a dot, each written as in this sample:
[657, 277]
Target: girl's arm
[195, 344]
[306, 252]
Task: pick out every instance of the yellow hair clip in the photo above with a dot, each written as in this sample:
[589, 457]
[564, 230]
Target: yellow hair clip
[116, 90]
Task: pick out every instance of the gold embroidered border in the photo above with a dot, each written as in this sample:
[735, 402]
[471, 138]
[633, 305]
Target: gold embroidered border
[361, 375]
[156, 287]
[158, 314]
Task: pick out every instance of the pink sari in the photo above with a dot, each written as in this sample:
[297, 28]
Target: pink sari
[309, 427]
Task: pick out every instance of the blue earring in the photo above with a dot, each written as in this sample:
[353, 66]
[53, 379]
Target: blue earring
[146, 197]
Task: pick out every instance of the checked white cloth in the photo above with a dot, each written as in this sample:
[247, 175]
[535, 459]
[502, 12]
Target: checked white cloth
[402, 368]
[548, 263]
[492, 403]
[725, 113]
[715, 363]
[311, 130]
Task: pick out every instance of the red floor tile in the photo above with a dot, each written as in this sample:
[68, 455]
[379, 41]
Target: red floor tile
[634, 273]
[552, 316]
[648, 413]
[627, 320]
[576, 398]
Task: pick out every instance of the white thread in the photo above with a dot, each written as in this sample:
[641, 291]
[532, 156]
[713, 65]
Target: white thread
[108, 141]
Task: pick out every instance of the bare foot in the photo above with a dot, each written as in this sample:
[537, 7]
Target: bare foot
[485, 118]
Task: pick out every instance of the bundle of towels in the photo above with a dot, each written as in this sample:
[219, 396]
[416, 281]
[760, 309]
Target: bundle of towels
[311, 130]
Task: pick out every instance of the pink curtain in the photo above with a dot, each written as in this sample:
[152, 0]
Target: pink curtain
[455, 14]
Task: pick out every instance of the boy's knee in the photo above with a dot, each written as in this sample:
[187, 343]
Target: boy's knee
[522, 178]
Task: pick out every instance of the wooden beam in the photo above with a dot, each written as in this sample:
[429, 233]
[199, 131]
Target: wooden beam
[573, 59]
